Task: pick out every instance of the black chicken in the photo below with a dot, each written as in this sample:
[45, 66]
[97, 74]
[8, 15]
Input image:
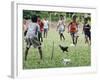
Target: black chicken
[64, 48]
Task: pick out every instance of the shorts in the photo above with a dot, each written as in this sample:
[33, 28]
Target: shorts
[61, 31]
[74, 34]
[46, 30]
[32, 41]
[88, 34]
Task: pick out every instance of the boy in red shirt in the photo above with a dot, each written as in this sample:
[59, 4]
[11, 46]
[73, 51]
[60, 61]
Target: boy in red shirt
[73, 29]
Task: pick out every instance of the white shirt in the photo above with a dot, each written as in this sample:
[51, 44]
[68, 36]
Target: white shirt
[61, 25]
[46, 24]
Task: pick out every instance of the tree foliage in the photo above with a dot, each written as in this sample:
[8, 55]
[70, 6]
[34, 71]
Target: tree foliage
[54, 16]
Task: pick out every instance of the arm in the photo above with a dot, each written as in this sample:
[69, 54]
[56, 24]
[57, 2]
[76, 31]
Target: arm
[83, 29]
[64, 25]
[77, 26]
[42, 25]
[58, 25]
[68, 27]
[48, 26]
[36, 30]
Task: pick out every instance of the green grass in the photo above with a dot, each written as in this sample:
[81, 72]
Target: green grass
[79, 55]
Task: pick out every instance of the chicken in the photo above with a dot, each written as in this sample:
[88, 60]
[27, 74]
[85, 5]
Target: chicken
[64, 48]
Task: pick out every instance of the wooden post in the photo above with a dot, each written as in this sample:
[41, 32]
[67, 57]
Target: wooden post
[52, 51]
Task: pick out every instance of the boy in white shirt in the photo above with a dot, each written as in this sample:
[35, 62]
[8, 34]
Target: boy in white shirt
[61, 27]
[46, 27]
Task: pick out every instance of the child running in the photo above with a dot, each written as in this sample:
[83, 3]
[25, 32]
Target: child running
[61, 27]
[32, 37]
[86, 30]
[73, 29]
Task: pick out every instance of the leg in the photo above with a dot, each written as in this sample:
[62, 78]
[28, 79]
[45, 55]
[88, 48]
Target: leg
[41, 37]
[86, 39]
[40, 52]
[76, 36]
[37, 44]
[76, 40]
[60, 36]
[46, 32]
[25, 33]
[63, 36]
[41, 40]
[89, 35]
[26, 53]
[27, 48]
[72, 35]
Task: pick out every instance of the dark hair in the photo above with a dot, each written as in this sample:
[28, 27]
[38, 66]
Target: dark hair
[74, 16]
[34, 18]
[61, 15]
[26, 18]
[86, 19]
[38, 16]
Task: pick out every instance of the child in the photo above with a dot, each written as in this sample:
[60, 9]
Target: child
[73, 29]
[46, 27]
[40, 23]
[61, 27]
[32, 37]
[25, 25]
[86, 30]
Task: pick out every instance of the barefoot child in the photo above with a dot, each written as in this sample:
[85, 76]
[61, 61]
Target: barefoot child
[73, 29]
[61, 27]
[32, 37]
[86, 30]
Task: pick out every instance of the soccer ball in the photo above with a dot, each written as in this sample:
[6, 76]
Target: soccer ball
[72, 45]
[66, 61]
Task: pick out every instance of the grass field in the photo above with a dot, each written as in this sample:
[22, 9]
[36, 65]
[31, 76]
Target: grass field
[79, 55]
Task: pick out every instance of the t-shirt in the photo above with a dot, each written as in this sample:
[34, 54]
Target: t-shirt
[86, 27]
[32, 30]
[45, 24]
[73, 27]
[61, 25]
[40, 25]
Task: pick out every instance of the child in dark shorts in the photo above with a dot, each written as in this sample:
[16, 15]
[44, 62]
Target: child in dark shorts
[86, 30]
[32, 37]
